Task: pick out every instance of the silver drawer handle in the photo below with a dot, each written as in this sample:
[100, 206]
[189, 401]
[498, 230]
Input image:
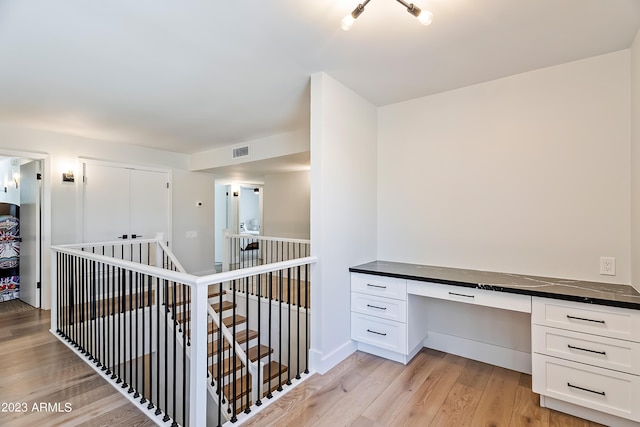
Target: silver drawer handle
[584, 319]
[376, 286]
[375, 306]
[461, 295]
[377, 333]
[604, 353]
[601, 393]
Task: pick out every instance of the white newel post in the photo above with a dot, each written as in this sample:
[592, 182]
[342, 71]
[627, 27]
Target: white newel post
[159, 264]
[198, 368]
[54, 292]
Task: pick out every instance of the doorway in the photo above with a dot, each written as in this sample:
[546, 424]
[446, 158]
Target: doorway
[124, 202]
[21, 197]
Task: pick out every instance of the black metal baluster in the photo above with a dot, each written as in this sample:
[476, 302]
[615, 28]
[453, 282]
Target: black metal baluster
[260, 379]
[184, 358]
[246, 329]
[130, 330]
[136, 359]
[220, 357]
[233, 361]
[269, 298]
[280, 287]
[175, 332]
[306, 317]
[288, 306]
[298, 327]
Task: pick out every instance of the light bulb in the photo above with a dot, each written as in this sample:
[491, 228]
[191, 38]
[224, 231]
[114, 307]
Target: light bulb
[425, 17]
[347, 22]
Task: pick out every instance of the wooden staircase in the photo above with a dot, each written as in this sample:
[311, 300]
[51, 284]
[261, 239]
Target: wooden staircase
[235, 384]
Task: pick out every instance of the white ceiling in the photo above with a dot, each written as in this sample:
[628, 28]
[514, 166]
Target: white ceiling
[192, 75]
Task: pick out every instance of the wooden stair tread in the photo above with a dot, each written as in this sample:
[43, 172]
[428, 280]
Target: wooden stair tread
[228, 365]
[226, 305]
[241, 338]
[228, 321]
[241, 389]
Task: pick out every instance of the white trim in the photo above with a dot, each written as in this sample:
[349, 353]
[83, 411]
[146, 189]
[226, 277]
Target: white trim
[322, 364]
[585, 412]
[495, 355]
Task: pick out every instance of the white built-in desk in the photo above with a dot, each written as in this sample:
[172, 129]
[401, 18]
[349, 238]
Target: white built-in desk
[579, 340]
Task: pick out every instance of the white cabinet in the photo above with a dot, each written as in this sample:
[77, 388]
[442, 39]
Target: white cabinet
[588, 356]
[379, 315]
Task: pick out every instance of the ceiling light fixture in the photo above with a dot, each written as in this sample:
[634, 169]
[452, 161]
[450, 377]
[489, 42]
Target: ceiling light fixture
[424, 16]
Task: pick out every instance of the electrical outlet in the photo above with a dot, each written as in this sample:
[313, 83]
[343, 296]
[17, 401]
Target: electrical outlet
[607, 266]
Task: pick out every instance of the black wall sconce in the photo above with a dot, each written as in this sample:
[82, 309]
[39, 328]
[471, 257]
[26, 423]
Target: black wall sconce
[68, 177]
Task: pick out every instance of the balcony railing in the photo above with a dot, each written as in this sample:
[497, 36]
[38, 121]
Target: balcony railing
[190, 350]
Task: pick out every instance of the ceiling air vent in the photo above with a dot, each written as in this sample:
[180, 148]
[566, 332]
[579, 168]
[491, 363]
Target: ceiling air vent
[240, 152]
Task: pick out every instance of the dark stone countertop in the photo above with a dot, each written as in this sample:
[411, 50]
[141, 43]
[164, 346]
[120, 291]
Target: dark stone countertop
[572, 290]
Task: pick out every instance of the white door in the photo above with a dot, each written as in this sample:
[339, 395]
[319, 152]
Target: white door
[30, 250]
[124, 202]
[149, 201]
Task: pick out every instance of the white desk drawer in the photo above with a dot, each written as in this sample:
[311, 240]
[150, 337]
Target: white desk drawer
[389, 287]
[595, 350]
[596, 388]
[386, 308]
[503, 300]
[611, 322]
[381, 333]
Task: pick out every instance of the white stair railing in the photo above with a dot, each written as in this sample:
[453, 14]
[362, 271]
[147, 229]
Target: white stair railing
[93, 288]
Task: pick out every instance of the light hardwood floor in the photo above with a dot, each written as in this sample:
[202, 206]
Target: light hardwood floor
[36, 368]
[434, 389]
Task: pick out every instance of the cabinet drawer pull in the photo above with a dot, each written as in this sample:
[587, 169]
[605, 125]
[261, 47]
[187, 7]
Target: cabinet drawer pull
[604, 353]
[377, 333]
[376, 286]
[601, 393]
[375, 306]
[461, 295]
[584, 319]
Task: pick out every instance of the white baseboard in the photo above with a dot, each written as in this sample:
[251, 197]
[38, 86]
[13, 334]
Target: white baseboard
[586, 413]
[321, 364]
[495, 355]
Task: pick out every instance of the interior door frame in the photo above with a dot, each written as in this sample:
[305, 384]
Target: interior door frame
[81, 161]
[45, 220]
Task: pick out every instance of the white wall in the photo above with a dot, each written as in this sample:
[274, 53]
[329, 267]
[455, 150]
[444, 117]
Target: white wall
[525, 174]
[286, 205]
[343, 210]
[195, 254]
[635, 162]
[220, 218]
[62, 152]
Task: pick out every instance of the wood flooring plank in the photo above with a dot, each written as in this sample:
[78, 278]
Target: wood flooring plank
[526, 407]
[458, 408]
[402, 390]
[496, 404]
[476, 374]
[427, 400]
[351, 407]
